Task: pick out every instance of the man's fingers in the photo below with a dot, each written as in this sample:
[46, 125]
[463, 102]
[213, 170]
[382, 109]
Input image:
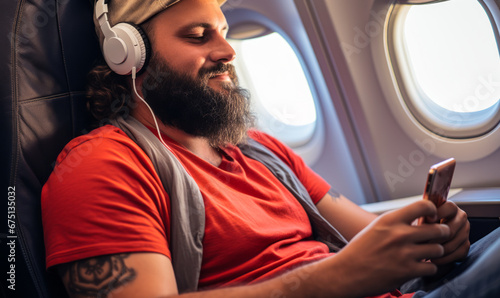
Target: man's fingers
[401, 219]
[448, 210]
[425, 269]
[458, 223]
[459, 237]
[458, 254]
[427, 251]
[430, 233]
[413, 211]
[457, 248]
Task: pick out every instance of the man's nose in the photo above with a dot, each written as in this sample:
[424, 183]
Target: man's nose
[223, 51]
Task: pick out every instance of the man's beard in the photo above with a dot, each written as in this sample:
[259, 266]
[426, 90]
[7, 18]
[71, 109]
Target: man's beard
[222, 117]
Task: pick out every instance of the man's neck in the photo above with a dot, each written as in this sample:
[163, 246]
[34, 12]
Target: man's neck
[197, 145]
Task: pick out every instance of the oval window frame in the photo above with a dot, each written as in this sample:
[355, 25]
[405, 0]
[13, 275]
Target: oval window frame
[438, 120]
[462, 149]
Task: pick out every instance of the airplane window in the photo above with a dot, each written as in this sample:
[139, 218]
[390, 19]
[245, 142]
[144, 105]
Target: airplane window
[452, 67]
[269, 68]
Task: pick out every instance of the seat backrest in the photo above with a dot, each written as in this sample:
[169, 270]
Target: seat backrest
[47, 46]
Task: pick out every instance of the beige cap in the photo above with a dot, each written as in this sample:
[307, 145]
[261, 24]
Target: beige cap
[138, 11]
[135, 11]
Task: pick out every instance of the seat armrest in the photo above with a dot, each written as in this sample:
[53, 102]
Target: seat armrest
[477, 202]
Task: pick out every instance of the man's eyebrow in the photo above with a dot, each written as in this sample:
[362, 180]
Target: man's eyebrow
[200, 25]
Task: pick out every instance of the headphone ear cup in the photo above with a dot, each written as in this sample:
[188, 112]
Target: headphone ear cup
[129, 49]
[145, 47]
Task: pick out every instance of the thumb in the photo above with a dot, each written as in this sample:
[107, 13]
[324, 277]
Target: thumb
[413, 211]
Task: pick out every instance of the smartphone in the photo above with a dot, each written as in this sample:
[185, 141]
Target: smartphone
[438, 183]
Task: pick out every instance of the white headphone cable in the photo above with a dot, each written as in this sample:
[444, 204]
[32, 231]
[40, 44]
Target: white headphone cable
[156, 123]
[150, 110]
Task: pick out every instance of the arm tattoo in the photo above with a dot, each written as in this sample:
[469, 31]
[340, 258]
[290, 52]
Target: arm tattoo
[97, 277]
[335, 196]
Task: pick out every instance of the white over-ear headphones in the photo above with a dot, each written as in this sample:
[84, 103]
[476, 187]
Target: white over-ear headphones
[126, 49]
[125, 45]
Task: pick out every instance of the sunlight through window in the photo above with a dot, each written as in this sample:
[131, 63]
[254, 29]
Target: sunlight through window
[453, 54]
[281, 97]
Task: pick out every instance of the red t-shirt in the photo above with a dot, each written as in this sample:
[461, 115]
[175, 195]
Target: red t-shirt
[104, 197]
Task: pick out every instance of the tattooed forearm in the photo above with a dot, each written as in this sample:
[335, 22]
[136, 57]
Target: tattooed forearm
[97, 277]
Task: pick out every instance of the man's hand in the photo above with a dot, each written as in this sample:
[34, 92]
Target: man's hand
[457, 245]
[390, 251]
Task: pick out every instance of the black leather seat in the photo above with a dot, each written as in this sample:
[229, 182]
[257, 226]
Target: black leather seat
[47, 47]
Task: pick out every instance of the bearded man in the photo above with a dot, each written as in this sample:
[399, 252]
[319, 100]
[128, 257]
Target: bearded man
[175, 193]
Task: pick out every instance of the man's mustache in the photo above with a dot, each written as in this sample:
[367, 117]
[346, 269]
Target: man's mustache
[207, 73]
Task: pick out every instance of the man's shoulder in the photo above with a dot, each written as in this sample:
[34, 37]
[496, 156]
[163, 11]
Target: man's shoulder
[263, 138]
[106, 145]
[99, 138]
[106, 150]
[269, 141]
[108, 132]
